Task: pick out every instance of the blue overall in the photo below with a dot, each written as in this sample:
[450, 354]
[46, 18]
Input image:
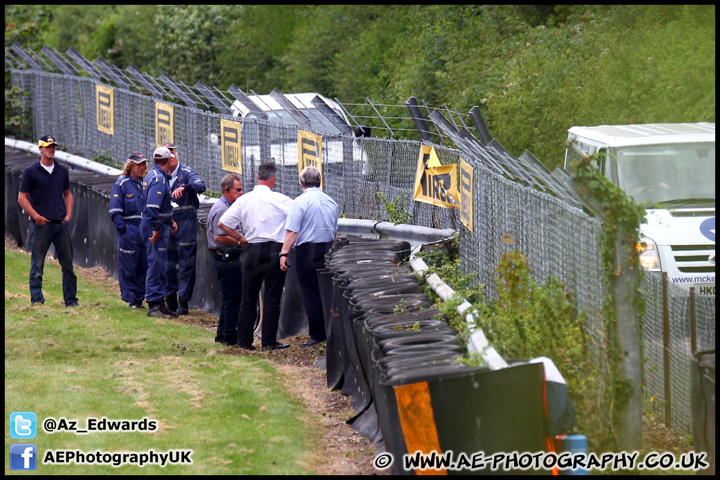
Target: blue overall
[182, 245]
[156, 217]
[126, 206]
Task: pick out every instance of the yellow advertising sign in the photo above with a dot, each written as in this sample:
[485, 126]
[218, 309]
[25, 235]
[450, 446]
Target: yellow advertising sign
[309, 152]
[105, 100]
[164, 124]
[435, 184]
[230, 142]
[466, 194]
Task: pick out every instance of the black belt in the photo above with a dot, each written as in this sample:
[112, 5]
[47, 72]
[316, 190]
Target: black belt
[226, 255]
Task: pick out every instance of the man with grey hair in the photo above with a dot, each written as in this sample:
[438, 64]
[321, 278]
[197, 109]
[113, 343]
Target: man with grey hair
[311, 227]
[225, 252]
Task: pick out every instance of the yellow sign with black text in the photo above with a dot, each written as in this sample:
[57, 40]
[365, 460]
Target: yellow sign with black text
[105, 100]
[466, 194]
[230, 142]
[164, 124]
[435, 184]
[309, 152]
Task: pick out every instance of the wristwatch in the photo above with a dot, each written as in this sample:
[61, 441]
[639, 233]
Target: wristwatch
[283, 254]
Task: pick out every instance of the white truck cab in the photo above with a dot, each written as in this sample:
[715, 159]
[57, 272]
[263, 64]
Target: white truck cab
[670, 170]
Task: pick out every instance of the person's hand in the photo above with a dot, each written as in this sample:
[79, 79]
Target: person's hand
[173, 227]
[155, 237]
[40, 220]
[243, 241]
[177, 193]
[283, 264]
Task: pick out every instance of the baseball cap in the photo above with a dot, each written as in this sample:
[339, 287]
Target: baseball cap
[46, 141]
[162, 153]
[169, 146]
[137, 158]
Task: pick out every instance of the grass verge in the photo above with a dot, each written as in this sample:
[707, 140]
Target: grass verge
[103, 359]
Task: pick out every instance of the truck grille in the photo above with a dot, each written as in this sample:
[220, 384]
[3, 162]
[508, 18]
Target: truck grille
[694, 258]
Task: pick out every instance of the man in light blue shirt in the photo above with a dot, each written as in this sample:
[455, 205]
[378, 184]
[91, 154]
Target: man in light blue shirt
[311, 226]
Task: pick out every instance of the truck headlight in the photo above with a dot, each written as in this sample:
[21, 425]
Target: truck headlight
[649, 258]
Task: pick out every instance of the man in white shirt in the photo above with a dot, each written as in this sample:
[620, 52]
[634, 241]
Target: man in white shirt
[262, 214]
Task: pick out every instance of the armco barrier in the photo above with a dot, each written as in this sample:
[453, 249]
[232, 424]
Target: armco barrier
[389, 350]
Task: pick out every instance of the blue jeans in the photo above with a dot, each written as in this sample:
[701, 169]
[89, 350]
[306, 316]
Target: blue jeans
[57, 234]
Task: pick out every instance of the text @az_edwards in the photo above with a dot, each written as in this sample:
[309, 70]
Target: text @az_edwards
[51, 425]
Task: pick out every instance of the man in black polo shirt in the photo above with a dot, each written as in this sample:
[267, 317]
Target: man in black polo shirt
[45, 196]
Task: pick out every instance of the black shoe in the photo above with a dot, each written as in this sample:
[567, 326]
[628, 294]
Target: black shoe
[139, 305]
[74, 304]
[248, 347]
[156, 312]
[172, 302]
[167, 312]
[311, 342]
[183, 307]
[275, 346]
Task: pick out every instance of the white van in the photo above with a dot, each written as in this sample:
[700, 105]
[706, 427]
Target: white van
[670, 170]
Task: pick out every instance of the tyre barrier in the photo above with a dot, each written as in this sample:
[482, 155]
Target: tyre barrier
[399, 363]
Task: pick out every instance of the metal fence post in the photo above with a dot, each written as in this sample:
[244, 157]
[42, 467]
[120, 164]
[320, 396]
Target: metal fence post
[693, 324]
[666, 349]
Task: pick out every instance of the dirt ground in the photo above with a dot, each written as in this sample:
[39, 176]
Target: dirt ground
[341, 450]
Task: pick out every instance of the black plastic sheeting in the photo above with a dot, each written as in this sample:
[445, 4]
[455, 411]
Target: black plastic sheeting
[383, 333]
[95, 240]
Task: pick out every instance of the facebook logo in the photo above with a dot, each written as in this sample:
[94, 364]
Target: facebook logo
[23, 425]
[23, 456]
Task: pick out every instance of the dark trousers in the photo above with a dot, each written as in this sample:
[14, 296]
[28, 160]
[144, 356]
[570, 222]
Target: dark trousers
[229, 276]
[261, 266]
[181, 255]
[57, 234]
[132, 264]
[310, 257]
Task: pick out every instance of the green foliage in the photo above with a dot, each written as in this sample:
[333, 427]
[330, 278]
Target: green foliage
[534, 70]
[620, 230]
[17, 114]
[106, 159]
[529, 320]
[395, 208]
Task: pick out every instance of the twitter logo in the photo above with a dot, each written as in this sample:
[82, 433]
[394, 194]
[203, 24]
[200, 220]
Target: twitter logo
[23, 425]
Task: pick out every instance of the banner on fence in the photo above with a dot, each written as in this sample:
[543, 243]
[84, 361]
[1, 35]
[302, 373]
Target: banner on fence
[164, 127]
[105, 100]
[466, 194]
[309, 152]
[435, 184]
[230, 142]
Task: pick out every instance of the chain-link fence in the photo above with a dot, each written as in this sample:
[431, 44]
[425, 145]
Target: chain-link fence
[558, 238]
[675, 327]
